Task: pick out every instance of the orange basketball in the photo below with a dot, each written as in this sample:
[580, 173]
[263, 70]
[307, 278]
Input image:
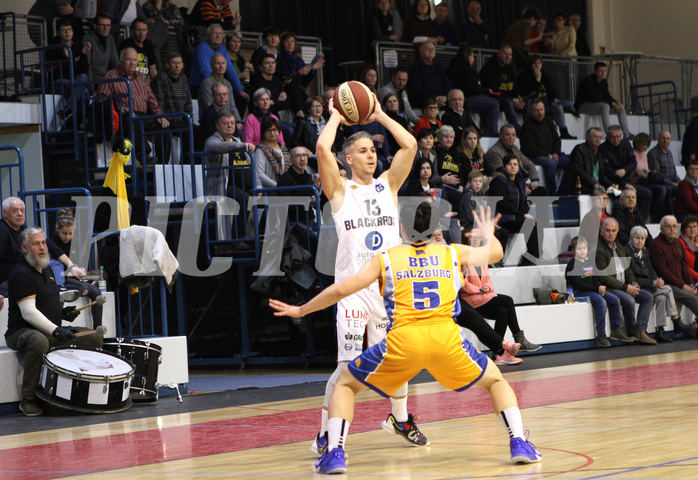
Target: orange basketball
[354, 101]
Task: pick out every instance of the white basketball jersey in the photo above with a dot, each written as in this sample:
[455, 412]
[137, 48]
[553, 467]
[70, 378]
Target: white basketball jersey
[367, 224]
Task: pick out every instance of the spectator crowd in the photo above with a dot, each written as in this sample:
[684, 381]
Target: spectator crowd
[260, 114]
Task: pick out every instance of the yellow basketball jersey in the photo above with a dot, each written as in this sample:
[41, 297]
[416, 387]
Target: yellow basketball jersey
[420, 282]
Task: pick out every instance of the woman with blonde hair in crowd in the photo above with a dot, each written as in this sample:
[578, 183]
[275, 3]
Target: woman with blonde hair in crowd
[471, 155]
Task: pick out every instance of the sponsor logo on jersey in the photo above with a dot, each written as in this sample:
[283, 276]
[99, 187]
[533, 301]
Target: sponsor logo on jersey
[353, 187]
[348, 347]
[351, 313]
[368, 222]
[374, 241]
[379, 188]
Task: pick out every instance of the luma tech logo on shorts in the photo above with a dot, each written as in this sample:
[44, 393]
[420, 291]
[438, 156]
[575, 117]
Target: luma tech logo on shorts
[374, 240]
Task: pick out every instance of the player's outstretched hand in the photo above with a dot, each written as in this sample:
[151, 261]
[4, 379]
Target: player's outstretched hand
[484, 224]
[284, 309]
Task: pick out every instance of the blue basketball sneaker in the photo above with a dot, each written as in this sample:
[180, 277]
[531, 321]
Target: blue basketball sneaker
[319, 445]
[332, 462]
[523, 451]
[407, 430]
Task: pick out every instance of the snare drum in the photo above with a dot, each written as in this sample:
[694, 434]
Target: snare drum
[146, 357]
[85, 380]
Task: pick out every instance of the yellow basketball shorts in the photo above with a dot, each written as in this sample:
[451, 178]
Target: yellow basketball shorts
[440, 348]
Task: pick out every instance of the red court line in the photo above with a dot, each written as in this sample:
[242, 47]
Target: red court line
[173, 443]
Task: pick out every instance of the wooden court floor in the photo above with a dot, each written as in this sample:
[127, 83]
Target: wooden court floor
[632, 418]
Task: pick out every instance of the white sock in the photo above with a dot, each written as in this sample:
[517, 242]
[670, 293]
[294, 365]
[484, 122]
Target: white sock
[337, 431]
[325, 417]
[399, 405]
[511, 418]
[329, 388]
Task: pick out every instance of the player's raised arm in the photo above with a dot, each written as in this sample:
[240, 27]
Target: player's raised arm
[331, 295]
[490, 250]
[402, 161]
[332, 182]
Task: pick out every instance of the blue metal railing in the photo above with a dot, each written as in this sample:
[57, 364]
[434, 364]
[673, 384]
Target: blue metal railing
[660, 101]
[55, 82]
[158, 146]
[17, 32]
[12, 174]
[99, 112]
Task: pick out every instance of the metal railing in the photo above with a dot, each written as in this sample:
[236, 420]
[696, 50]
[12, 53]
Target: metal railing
[54, 80]
[17, 32]
[566, 72]
[661, 103]
[11, 171]
[104, 117]
[141, 307]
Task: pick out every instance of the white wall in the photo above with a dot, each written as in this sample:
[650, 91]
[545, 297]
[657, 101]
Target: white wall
[653, 28]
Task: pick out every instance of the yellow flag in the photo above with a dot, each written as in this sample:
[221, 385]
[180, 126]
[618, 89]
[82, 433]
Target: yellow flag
[116, 181]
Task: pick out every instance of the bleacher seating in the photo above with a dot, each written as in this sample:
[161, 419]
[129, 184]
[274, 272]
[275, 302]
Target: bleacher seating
[549, 325]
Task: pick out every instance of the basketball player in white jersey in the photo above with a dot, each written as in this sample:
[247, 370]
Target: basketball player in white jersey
[365, 214]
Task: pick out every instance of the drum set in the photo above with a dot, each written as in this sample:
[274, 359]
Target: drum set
[103, 380]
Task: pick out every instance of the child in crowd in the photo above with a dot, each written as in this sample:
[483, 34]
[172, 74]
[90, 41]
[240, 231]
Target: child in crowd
[65, 226]
[430, 119]
[473, 196]
[580, 276]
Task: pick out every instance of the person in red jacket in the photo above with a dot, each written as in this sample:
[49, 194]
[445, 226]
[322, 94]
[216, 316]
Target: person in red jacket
[687, 191]
[669, 260]
[430, 119]
[688, 239]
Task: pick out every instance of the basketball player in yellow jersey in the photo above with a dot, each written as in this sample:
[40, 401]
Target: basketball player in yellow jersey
[365, 214]
[419, 282]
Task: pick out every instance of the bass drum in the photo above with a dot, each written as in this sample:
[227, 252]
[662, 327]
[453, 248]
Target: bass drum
[85, 380]
[146, 357]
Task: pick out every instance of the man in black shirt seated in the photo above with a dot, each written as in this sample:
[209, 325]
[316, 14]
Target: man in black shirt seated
[298, 176]
[306, 230]
[11, 226]
[35, 315]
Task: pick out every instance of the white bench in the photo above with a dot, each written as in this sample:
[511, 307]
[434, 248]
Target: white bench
[559, 324]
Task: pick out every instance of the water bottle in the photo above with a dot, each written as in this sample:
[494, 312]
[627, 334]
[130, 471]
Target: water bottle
[102, 282]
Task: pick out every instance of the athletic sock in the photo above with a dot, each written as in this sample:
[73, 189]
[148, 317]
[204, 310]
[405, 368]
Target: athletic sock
[325, 417]
[329, 388]
[337, 429]
[399, 409]
[511, 418]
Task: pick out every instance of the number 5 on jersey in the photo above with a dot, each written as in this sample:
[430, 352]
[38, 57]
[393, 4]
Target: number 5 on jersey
[426, 295]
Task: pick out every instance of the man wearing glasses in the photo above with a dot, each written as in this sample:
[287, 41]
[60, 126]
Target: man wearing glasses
[201, 63]
[103, 54]
[298, 176]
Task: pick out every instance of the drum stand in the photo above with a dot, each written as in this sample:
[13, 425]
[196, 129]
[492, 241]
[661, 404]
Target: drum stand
[172, 385]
